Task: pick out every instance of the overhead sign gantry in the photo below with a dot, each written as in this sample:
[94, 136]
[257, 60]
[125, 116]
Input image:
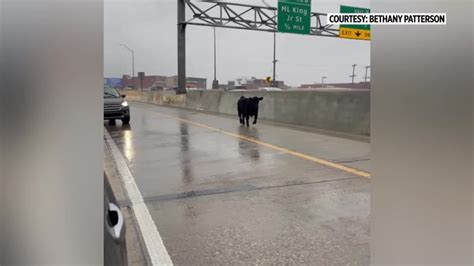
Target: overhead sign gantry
[291, 16]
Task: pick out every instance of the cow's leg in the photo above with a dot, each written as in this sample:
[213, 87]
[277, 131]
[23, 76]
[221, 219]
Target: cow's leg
[255, 120]
[247, 119]
[241, 118]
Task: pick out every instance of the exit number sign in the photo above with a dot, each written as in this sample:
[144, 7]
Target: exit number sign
[360, 32]
[294, 16]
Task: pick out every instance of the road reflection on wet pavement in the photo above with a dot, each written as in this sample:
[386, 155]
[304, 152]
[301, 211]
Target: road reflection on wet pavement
[219, 199]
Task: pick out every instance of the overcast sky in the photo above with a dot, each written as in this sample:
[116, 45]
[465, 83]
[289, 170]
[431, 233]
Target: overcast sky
[149, 28]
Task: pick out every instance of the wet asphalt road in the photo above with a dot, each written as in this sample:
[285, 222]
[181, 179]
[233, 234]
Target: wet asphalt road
[220, 199]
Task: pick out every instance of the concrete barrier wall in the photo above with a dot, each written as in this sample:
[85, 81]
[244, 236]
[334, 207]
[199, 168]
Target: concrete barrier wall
[132, 95]
[341, 111]
[204, 100]
[157, 97]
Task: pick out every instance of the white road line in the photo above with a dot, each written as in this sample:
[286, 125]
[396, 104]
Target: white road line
[153, 242]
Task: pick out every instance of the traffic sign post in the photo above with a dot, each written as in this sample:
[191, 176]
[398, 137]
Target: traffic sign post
[361, 32]
[269, 80]
[294, 16]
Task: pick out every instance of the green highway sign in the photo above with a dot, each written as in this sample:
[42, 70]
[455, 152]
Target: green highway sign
[360, 32]
[294, 16]
[352, 9]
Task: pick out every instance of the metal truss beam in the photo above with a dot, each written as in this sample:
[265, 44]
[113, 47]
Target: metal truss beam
[214, 13]
[247, 17]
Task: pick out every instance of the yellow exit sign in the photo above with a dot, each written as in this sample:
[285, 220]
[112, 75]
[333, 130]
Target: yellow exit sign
[358, 34]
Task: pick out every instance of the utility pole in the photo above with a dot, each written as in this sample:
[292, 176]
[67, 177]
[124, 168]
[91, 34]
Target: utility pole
[274, 60]
[181, 47]
[353, 73]
[366, 71]
[133, 61]
[274, 83]
[215, 82]
[322, 82]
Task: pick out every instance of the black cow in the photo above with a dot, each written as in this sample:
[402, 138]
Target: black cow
[247, 107]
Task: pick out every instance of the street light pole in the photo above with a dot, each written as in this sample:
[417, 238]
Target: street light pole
[133, 60]
[215, 83]
[322, 82]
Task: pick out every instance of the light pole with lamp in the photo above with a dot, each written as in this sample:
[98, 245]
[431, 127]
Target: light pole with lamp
[215, 82]
[133, 62]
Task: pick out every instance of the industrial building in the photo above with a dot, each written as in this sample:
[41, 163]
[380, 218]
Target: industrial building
[359, 85]
[158, 82]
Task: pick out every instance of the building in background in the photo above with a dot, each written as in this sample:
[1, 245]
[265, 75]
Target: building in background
[113, 82]
[360, 85]
[157, 82]
[172, 81]
[253, 83]
[149, 82]
[196, 83]
[280, 84]
[230, 85]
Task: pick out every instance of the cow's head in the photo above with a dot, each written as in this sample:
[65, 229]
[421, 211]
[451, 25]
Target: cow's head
[256, 99]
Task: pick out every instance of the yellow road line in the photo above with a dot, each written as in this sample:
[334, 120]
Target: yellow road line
[271, 146]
